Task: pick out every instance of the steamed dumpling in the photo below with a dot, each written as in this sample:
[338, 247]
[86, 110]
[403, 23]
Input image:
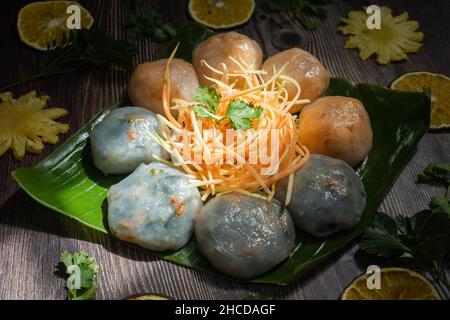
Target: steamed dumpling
[146, 83]
[121, 141]
[338, 127]
[219, 48]
[306, 69]
[327, 196]
[155, 207]
[243, 236]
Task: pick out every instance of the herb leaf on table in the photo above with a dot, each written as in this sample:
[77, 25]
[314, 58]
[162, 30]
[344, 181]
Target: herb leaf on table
[426, 234]
[90, 49]
[86, 49]
[421, 241]
[440, 204]
[436, 172]
[301, 9]
[382, 238]
[81, 270]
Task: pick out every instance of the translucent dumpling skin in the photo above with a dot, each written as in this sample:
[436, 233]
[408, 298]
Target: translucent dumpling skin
[338, 127]
[243, 236]
[146, 83]
[306, 69]
[155, 207]
[327, 196]
[120, 142]
[218, 49]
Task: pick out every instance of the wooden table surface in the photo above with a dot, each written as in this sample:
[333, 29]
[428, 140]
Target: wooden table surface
[32, 237]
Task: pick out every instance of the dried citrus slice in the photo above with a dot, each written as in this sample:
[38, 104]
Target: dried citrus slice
[395, 284]
[220, 14]
[440, 94]
[42, 24]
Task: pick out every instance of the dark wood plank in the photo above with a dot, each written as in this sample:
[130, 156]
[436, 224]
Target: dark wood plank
[31, 237]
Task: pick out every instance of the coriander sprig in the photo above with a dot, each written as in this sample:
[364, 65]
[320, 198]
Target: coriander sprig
[239, 112]
[81, 271]
[421, 241]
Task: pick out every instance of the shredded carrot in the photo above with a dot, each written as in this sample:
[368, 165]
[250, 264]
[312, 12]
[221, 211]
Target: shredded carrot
[224, 166]
[166, 89]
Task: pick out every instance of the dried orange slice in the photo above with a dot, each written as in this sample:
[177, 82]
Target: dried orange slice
[221, 14]
[440, 94]
[41, 24]
[395, 284]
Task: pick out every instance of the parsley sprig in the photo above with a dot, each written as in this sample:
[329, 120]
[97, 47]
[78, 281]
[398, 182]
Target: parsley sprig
[421, 241]
[143, 22]
[301, 9]
[81, 270]
[239, 112]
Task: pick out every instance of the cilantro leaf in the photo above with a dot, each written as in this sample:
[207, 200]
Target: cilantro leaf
[440, 204]
[88, 294]
[381, 237]
[81, 271]
[201, 112]
[241, 112]
[66, 259]
[416, 235]
[421, 240]
[436, 172]
[430, 235]
[209, 98]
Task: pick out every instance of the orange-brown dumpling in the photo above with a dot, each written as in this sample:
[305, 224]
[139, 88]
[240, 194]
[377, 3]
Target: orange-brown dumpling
[146, 83]
[306, 69]
[338, 127]
[218, 49]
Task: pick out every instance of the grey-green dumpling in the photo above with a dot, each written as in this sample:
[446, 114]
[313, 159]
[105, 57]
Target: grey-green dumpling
[327, 196]
[155, 207]
[123, 140]
[243, 236]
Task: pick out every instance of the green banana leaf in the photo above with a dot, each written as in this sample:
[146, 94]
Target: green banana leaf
[69, 183]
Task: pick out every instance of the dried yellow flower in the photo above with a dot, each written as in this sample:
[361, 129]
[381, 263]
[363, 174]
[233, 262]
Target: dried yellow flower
[396, 38]
[25, 124]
